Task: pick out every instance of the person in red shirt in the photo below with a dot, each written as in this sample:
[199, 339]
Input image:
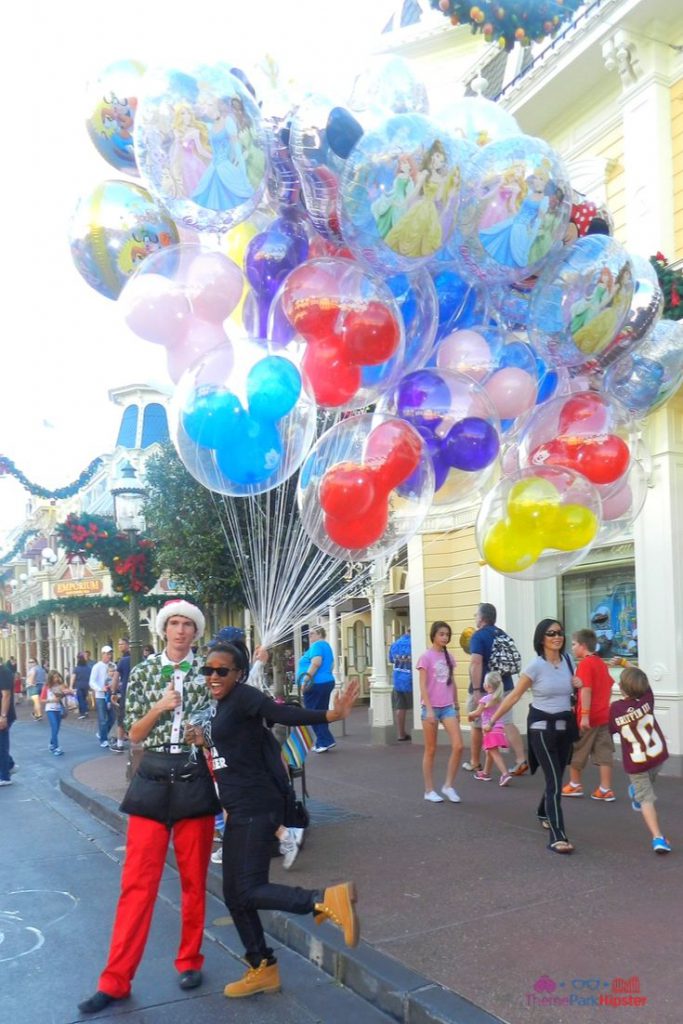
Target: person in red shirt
[643, 747]
[592, 712]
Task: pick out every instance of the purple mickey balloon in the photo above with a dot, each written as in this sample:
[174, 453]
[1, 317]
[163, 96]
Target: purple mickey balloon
[472, 444]
[270, 256]
[423, 399]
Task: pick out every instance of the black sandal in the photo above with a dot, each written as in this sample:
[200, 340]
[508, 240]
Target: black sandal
[561, 846]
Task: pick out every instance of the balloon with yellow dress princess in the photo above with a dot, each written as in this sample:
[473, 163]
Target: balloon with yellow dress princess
[399, 193]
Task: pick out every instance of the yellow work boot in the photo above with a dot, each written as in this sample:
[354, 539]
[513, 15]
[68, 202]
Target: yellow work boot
[338, 907]
[264, 978]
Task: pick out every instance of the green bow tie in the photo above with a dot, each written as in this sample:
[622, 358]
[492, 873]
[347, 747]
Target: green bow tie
[168, 670]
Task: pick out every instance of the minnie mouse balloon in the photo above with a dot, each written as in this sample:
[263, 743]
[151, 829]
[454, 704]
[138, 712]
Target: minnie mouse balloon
[200, 146]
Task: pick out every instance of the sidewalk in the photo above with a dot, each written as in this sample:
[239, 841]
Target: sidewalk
[466, 896]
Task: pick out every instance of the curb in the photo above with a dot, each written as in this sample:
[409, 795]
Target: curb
[382, 981]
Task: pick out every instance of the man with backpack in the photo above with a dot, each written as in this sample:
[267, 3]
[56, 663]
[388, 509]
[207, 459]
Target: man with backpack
[491, 649]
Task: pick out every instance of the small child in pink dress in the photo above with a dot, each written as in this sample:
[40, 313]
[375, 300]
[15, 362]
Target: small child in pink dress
[494, 740]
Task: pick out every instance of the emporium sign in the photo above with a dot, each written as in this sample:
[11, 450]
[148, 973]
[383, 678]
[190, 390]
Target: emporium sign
[78, 588]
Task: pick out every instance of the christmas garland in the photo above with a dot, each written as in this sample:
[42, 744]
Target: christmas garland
[7, 467]
[18, 546]
[130, 560]
[509, 21]
[671, 283]
[74, 605]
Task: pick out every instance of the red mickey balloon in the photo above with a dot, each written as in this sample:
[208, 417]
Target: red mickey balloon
[602, 459]
[393, 450]
[333, 380]
[361, 531]
[314, 318]
[585, 413]
[371, 334]
[347, 491]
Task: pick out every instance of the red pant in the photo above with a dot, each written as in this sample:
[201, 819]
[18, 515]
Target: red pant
[146, 846]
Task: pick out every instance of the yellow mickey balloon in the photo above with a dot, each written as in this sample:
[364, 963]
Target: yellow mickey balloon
[533, 505]
[575, 528]
[511, 548]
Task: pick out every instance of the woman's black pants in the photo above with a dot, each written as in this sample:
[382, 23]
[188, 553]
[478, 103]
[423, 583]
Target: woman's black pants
[553, 750]
[248, 846]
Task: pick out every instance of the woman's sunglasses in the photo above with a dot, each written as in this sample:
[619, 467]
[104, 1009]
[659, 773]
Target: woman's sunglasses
[554, 632]
[210, 670]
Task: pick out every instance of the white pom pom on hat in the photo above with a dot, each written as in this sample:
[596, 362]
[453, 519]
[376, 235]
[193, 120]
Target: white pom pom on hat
[180, 607]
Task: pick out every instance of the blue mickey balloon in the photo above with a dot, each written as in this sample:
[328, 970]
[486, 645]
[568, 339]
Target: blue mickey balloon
[255, 456]
[214, 417]
[548, 381]
[471, 444]
[273, 387]
[457, 302]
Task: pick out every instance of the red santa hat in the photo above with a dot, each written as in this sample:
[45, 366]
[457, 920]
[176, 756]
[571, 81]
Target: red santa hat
[180, 607]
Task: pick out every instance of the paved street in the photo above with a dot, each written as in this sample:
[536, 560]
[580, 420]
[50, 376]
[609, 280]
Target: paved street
[461, 906]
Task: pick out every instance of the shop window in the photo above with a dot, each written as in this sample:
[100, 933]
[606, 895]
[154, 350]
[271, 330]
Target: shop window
[603, 598]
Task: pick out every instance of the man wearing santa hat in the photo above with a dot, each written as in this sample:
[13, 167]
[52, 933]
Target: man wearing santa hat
[171, 795]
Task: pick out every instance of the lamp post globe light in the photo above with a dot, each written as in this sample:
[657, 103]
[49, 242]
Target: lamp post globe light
[129, 496]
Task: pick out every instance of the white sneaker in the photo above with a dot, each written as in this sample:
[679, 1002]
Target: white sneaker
[433, 797]
[297, 834]
[469, 767]
[289, 848]
[217, 856]
[449, 792]
[6, 782]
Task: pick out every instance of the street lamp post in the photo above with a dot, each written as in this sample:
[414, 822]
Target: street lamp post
[129, 496]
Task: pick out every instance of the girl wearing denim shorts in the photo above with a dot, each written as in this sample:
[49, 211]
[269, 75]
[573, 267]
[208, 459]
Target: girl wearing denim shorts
[439, 704]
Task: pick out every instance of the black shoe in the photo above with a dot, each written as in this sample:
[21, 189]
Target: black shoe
[404, 739]
[100, 1001]
[190, 979]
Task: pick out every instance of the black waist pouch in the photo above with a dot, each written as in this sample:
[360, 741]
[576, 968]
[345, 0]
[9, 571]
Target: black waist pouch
[170, 787]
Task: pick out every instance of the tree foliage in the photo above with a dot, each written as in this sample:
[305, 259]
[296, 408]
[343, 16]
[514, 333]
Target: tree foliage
[184, 517]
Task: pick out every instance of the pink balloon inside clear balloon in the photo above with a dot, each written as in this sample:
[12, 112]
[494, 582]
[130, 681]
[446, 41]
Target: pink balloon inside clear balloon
[156, 309]
[213, 285]
[617, 504]
[467, 352]
[217, 369]
[199, 339]
[512, 391]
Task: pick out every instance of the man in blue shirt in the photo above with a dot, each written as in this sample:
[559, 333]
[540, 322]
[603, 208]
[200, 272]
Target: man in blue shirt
[120, 684]
[400, 656]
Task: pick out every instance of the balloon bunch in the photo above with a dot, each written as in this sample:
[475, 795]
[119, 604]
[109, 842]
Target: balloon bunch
[427, 260]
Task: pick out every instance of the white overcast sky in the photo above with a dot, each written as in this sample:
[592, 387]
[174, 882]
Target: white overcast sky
[63, 345]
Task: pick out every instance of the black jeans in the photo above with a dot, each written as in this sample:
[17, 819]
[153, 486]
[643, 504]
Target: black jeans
[553, 750]
[247, 850]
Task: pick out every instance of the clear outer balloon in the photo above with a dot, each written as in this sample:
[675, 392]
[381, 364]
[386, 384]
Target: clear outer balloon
[110, 113]
[621, 508]
[113, 230]
[391, 85]
[365, 488]
[477, 120]
[512, 302]
[317, 165]
[647, 304]
[584, 432]
[647, 378]
[581, 301]
[352, 329]
[418, 302]
[458, 423]
[180, 298]
[472, 351]
[284, 187]
[242, 425]
[514, 212]
[399, 193]
[537, 523]
[200, 146]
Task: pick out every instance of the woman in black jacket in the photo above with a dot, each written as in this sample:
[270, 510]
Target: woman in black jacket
[249, 792]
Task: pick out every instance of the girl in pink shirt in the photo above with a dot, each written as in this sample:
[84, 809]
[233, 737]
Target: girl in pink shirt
[439, 704]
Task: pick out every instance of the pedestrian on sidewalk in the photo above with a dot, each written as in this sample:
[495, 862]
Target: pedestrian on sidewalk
[316, 677]
[551, 723]
[100, 685]
[54, 707]
[163, 693]
[400, 657]
[494, 739]
[254, 798]
[592, 715]
[439, 704]
[80, 683]
[35, 680]
[7, 717]
[480, 646]
[643, 747]
[119, 686]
